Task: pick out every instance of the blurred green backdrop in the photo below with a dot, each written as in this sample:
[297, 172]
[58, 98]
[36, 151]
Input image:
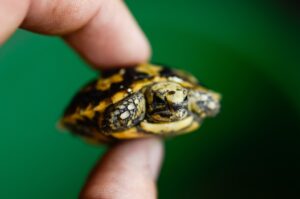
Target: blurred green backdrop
[247, 50]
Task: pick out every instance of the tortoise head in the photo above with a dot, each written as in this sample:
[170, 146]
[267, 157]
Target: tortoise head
[166, 102]
[169, 101]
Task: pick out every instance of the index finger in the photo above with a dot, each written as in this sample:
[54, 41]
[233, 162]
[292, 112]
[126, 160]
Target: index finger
[111, 38]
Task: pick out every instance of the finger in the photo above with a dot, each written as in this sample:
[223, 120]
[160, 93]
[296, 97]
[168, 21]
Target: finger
[128, 170]
[111, 38]
[12, 13]
[102, 31]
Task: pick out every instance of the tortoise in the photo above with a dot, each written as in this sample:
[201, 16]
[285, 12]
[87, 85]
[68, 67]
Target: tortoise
[141, 101]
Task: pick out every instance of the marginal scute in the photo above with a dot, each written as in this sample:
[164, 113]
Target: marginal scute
[151, 70]
[105, 84]
[129, 134]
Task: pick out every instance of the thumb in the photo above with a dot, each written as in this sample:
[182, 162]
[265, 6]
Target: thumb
[128, 170]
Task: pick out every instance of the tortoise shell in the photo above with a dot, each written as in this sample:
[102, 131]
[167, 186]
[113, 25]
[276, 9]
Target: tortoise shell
[139, 101]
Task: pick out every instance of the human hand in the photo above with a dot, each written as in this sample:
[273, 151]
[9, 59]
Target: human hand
[104, 33]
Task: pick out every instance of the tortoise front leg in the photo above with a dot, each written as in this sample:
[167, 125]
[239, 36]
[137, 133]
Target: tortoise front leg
[204, 103]
[125, 114]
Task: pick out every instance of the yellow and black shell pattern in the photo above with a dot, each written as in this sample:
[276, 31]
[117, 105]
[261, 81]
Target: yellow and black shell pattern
[140, 101]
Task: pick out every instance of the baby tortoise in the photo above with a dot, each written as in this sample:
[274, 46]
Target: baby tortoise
[138, 102]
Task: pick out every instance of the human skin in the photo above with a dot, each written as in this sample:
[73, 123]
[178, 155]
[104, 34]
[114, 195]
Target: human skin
[105, 34]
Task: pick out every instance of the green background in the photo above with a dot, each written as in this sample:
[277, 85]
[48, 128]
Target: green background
[247, 50]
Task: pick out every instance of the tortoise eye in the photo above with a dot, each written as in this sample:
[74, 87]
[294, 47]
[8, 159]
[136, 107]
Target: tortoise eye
[158, 100]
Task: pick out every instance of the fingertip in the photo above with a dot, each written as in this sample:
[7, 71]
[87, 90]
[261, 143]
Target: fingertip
[155, 155]
[12, 13]
[136, 52]
[112, 38]
[144, 153]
